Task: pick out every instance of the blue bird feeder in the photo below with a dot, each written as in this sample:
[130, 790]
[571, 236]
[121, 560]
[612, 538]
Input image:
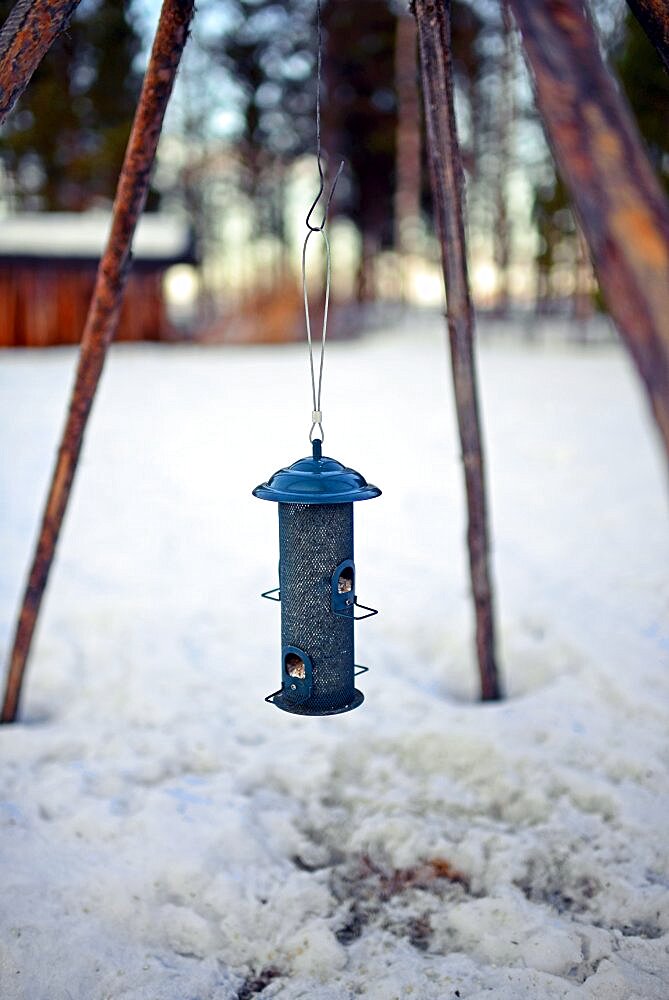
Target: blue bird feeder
[317, 583]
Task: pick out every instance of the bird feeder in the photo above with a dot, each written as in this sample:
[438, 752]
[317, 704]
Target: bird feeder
[317, 583]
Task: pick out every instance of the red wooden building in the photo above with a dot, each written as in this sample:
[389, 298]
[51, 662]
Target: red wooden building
[48, 263]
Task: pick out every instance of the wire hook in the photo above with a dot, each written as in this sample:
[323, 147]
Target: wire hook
[309, 224]
[316, 413]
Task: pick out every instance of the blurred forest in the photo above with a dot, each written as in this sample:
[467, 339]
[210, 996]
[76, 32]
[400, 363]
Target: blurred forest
[63, 147]
[236, 157]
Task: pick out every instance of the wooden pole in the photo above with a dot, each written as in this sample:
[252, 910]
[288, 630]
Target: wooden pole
[434, 36]
[26, 35]
[620, 205]
[653, 16]
[102, 319]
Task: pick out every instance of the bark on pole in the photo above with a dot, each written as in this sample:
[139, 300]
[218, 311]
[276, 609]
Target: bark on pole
[622, 210]
[26, 35]
[102, 319]
[653, 16]
[434, 35]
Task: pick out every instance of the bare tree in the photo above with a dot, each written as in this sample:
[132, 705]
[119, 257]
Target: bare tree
[582, 304]
[434, 34]
[505, 115]
[102, 320]
[408, 140]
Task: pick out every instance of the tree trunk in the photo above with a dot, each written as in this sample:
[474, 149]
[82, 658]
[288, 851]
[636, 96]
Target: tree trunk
[653, 16]
[617, 197]
[407, 145]
[26, 36]
[102, 318]
[434, 34]
[366, 277]
[582, 298]
[505, 112]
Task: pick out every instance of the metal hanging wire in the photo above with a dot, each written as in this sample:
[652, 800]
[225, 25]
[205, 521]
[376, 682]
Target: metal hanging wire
[316, 387]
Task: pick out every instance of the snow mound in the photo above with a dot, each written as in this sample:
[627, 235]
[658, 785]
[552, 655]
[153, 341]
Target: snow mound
[167, 835]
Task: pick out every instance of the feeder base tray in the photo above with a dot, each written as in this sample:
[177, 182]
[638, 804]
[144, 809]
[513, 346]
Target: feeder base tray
[286, 705]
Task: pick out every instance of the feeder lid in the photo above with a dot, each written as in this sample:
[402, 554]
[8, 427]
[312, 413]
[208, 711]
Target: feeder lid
[316, 479]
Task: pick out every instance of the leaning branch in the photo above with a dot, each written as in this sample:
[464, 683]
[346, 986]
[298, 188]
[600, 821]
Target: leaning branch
[26, 36]
[653, 16]
[617, 197]
[102, 318]
[434, 35]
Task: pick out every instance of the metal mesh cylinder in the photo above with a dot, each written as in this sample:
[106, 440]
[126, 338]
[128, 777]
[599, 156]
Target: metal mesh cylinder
[313, 540]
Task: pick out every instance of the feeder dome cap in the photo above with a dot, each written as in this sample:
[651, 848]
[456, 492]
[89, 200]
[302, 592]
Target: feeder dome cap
[316, 480]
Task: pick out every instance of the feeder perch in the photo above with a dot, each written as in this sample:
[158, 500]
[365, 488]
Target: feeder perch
[317, 583]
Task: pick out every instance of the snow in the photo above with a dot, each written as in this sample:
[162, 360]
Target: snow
[167, 835]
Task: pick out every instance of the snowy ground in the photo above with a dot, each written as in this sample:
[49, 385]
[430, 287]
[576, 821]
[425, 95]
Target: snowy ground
[167, 835]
